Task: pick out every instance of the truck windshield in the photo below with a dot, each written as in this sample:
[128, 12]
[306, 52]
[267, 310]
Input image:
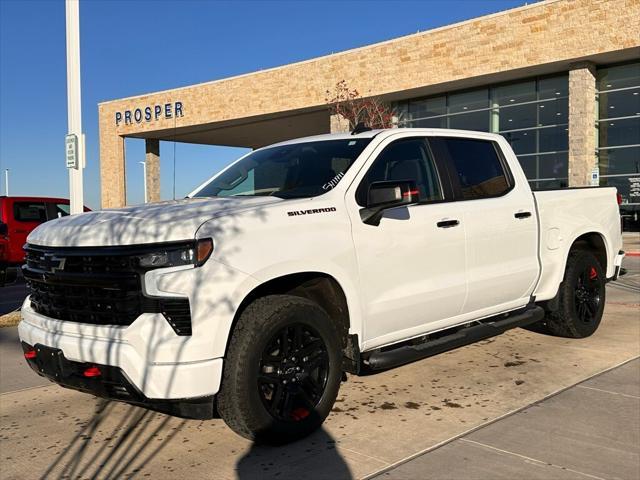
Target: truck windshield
[289, 171]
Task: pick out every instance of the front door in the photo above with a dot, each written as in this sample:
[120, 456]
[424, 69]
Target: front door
[411, 265]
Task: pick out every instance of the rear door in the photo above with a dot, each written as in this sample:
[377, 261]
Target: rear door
[500, 225]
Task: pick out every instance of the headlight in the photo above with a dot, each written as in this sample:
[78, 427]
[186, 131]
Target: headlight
[194, 254]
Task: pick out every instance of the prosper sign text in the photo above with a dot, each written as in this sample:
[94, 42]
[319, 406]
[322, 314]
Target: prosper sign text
[150, 113]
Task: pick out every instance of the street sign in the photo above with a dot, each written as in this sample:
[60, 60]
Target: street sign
[71, 142]
[595, 177]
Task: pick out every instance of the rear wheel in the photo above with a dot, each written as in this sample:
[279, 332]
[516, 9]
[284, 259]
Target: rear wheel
[582, 298]
[283, 370]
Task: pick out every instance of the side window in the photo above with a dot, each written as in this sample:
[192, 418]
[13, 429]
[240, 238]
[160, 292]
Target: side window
[477, 166]
[59, 210]
[29, 212]
[406, 159]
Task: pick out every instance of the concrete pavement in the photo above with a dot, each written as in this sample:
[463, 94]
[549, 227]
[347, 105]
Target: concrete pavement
[12, 296]
[591, 430]
[379, 421]
[15, 374]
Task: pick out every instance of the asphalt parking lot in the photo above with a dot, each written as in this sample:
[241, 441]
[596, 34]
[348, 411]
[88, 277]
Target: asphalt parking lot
[502, 408]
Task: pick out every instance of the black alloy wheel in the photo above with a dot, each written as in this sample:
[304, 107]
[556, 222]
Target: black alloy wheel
[587, 294]
[282, 371]
[293, 372]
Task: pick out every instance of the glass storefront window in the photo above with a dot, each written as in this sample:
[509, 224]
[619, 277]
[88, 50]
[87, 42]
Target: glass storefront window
[428, 108]
[514, 93]
[620, 132]
[619, 136]
[553, 87]
[621, 103]
[520, 116]
[553, 112]
[621, 76]
[618, 161]
[471, 121]
[519, 111]
[467, 101]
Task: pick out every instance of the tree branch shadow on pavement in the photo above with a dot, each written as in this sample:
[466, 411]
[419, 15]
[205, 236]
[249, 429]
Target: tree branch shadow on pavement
[131, 444]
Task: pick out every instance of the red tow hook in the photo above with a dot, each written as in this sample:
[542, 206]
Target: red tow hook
[30, 354]
[91, 372]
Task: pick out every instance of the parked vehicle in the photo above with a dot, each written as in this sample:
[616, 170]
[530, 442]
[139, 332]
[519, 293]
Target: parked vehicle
[308, 259]
[18, 217]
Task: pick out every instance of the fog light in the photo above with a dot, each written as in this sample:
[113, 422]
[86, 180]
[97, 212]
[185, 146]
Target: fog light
[92, 372]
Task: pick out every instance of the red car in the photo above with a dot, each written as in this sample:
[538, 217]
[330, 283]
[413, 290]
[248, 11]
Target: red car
[18, 217]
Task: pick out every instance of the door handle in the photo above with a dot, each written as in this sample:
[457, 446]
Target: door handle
[447, 223]
[522, 215]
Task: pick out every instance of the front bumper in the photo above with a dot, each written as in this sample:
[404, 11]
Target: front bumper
[145, 352]
[109, 382]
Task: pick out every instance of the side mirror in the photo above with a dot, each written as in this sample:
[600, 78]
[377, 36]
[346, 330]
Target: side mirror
[384, 195]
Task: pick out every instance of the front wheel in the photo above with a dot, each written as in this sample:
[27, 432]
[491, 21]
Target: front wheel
[582, 298]
[282, 371]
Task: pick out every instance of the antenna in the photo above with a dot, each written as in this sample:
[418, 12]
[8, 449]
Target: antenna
[359, 128]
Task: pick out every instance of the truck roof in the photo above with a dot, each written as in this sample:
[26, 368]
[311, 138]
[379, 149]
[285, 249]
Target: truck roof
[388, 131]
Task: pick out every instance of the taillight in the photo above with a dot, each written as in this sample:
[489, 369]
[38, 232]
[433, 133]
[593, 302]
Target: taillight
[619, 198]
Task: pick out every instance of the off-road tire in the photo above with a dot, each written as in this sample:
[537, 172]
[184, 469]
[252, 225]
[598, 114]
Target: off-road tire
[567, 321]
[241, 403]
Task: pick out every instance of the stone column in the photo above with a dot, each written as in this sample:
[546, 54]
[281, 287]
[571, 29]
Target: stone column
[152, 160]
[338, 124]
[582, 117]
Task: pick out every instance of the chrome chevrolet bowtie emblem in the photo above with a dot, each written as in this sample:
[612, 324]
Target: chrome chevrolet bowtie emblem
[51, 263]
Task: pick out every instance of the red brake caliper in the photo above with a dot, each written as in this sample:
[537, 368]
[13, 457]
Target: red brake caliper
[299, 414]
[593, 274]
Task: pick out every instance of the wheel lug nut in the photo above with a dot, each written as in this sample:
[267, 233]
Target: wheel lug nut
[297, 369]
[284, 381]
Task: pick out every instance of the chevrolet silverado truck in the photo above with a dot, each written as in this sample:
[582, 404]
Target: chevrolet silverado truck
[301, 261]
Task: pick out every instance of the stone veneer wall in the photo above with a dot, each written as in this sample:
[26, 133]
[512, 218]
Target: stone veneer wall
[519, 39]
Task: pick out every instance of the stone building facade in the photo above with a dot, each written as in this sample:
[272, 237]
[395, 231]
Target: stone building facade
[568, 40]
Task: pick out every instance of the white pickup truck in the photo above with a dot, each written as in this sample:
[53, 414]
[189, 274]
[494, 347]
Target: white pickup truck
[304, 260]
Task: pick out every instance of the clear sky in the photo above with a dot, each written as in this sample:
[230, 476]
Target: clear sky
[134, 47]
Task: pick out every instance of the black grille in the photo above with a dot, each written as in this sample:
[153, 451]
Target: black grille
[88, 287]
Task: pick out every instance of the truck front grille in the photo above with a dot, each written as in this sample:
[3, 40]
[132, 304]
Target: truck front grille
[86, 286]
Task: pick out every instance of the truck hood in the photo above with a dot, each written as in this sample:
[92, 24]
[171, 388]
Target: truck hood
[149, 223]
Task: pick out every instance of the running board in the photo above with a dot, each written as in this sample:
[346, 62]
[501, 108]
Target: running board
[394, 357]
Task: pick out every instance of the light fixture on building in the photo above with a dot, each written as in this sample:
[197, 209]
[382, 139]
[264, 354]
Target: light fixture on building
[511, 100]
[541, 106]
[558, 114]
[612, 106]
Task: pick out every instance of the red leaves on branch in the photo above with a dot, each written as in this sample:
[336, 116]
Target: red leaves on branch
[371, 111]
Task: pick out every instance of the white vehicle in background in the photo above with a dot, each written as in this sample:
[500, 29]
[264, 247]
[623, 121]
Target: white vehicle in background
[308, 259]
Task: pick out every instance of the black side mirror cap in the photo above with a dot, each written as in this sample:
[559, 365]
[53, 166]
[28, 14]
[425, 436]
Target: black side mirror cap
[388, 194]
